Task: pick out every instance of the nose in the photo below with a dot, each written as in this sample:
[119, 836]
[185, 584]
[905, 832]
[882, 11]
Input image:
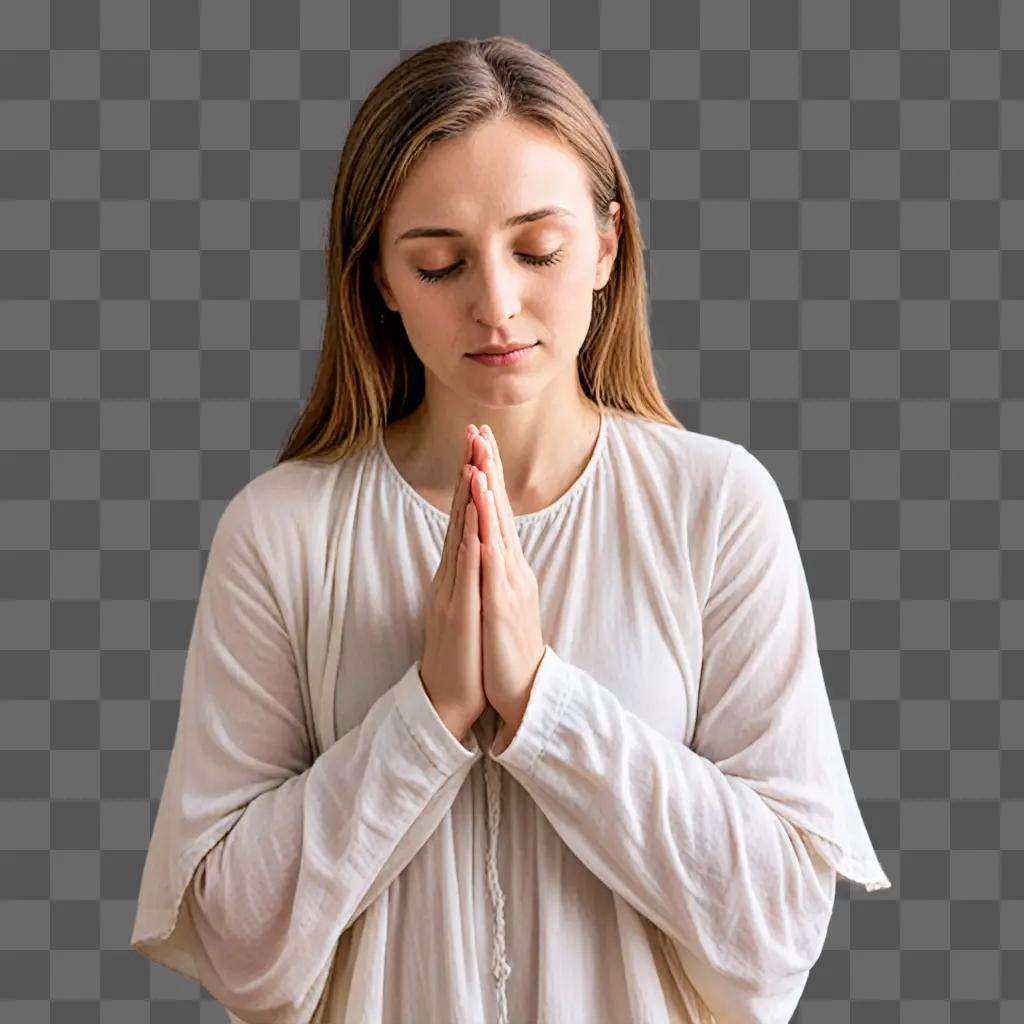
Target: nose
[497, 290]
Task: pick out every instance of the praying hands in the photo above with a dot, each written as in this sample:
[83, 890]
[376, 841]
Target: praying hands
[512, 640]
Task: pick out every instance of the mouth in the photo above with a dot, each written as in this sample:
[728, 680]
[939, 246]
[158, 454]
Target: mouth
[503, 358]
[501, 351]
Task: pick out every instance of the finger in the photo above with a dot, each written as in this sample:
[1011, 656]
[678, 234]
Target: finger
[467, 585]
[461, 497]
[453, 537]
[455, 517]
[466, 449]
[472, 532]
[463, 493]
[478, 487]
[497, 568]
[462, 488]
[488, 436]
[496, 475]
[483, 460]
[456, 514]
[490, 534]
[471, 434]
[492, 446]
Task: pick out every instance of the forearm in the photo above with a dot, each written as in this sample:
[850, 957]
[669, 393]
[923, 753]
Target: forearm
[694, 850]
[306, 858]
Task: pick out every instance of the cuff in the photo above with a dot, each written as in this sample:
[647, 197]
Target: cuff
[433, 737]
[554, 686]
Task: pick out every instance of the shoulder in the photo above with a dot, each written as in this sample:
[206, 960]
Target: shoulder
[302, 486]
[289, 485]
[689, 463]
[714, 481]
[293, 505]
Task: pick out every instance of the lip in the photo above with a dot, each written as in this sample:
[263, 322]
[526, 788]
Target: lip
[503, 358]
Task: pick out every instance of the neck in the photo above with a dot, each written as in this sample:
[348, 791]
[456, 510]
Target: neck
[544, 445]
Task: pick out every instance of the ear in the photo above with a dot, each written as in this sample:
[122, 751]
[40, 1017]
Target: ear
[608, 247]
[382, 285]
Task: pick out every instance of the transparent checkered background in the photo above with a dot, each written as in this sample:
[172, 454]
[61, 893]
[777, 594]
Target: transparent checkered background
[832, 196]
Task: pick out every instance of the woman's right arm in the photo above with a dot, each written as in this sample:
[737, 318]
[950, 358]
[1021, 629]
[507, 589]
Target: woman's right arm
[261, 856]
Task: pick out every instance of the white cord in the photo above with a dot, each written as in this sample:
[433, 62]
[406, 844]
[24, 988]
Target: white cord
[499, 964]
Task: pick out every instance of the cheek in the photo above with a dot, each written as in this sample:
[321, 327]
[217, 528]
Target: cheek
[569, 288]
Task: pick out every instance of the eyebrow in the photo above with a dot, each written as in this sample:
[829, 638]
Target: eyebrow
[519, 218]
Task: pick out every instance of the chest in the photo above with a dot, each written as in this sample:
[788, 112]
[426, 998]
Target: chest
[611, 603]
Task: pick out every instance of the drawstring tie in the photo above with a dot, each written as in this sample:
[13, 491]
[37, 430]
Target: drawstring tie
[500, 967]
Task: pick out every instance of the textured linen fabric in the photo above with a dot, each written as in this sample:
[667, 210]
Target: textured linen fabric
[660, 840]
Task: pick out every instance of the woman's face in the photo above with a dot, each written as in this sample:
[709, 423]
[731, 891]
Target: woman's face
[471, 280]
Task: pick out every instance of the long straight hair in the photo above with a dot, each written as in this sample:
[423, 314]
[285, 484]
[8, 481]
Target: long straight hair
[368, 374]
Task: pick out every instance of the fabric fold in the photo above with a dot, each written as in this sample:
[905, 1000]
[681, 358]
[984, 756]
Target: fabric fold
[730, 847]
[669, 820]
[261, 855]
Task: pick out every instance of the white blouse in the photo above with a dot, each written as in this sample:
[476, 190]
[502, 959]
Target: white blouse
[659, 842]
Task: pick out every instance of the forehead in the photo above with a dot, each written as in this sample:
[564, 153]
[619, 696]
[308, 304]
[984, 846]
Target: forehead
[477, 180]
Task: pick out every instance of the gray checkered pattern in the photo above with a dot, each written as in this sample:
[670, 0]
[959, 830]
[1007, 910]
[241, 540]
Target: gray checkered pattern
[832, 195]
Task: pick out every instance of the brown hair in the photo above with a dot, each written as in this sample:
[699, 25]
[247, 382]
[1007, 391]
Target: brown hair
[368, 374]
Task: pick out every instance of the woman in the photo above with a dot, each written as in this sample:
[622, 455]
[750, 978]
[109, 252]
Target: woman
[336, 839]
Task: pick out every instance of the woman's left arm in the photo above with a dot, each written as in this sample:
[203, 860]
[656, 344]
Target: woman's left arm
[730, 848]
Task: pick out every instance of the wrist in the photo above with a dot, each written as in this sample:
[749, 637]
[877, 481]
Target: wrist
[506, 734]
[510, 723]
[458, 723]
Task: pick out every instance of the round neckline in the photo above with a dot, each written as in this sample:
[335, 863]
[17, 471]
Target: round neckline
[524, 518]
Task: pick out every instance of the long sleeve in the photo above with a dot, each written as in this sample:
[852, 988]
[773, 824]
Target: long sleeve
[730, 848]
[261, 855]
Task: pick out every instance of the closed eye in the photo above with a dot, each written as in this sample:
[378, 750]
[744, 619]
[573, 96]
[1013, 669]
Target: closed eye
[534, 261]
